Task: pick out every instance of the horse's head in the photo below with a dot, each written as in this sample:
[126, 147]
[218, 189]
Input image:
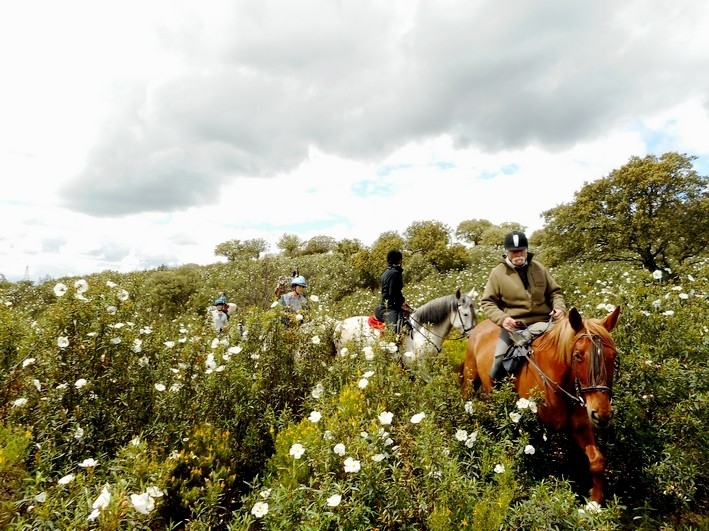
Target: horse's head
[593, 360]
[464, 315]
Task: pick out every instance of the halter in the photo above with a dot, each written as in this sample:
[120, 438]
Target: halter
[597, 373]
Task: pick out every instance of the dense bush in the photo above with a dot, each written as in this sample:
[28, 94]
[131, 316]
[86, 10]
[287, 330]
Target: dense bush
[123, 409]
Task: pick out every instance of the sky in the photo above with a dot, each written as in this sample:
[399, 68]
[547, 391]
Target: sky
[141, 133]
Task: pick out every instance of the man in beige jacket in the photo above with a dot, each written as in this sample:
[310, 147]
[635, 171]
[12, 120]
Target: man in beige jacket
[519, 294]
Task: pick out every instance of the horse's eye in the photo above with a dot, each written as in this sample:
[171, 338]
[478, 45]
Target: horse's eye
[578, 356]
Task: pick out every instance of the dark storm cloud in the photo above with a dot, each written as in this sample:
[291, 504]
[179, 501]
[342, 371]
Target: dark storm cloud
[347, 79]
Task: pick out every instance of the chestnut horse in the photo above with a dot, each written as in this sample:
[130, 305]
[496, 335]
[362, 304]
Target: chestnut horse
[572, 366]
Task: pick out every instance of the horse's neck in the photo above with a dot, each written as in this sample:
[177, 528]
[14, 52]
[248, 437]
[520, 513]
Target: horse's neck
[432, 333]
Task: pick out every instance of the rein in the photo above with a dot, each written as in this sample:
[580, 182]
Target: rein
[463, 335]
[597, 370]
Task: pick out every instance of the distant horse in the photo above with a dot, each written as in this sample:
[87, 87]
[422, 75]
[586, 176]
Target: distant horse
[431, 324]
[572, 365]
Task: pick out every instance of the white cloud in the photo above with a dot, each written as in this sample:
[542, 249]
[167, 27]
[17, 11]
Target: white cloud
[137, 134]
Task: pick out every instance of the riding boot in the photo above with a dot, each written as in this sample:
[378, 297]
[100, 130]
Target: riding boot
[497, 372]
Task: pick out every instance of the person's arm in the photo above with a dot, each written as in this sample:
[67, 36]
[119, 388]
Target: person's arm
[490, 302]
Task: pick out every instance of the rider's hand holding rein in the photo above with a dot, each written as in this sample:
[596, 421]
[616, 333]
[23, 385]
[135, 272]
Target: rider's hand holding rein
[557, 314]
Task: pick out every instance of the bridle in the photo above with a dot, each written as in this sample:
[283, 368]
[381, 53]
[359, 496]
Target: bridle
[597, 375]
[464, 334]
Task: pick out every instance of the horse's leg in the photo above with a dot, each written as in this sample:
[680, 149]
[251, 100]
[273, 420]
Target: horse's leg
[582, 432]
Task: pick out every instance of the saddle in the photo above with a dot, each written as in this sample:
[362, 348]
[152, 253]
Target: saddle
[520, 349]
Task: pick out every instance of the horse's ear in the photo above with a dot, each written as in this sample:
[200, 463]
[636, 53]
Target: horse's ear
[457, 294]
[612, 319]
[575, 320]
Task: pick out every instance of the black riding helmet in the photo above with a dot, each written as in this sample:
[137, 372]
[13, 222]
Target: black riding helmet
[516, 241]
[394, 257]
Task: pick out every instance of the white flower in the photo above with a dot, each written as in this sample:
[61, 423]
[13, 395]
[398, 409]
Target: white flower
[88, 463]
[683, 296]
[657, 274]
[315, 416]
[368, 374]
[154, 492]
[60, 289]
[328, 436]
[297, 451]
[81, 382]
[169, 344]
[352, 465]
[265, 493]
[93, 515]
[66, 479]
[111, 284]
[62, 341]
[19, 402]
[79, 433]
[368, 353]
[385, 417]
[81, 286]
[363, 382]
[378, 457]
[123, 295]
[468, 407]
[315, 340]
[160, 387]
[532, 406]
[299, 317]
[339, 449]
[41, 497]
[314, 298]
[274, 304]
[37, 384]
[103, 499]
[529, 449]
[28, 362]
[668, 313]
[515, 417]
[260, 509]
[317, 391]
[234, 350]
[111, 310]
[137, 345]
[334, 500]
[409, 355]
[143, 503]
[591, 507]
[499, 469]
[461, 435]
[522, 403]
[418, 417]
[116, 340]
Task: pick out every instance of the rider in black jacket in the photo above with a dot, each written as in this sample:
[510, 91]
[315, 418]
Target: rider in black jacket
[392, 305]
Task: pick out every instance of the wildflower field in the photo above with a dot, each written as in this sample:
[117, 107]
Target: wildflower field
[122, 409]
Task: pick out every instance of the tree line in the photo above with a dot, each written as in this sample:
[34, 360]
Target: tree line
[653, 211]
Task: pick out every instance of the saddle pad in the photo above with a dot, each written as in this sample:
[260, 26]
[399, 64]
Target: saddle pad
[376, 323]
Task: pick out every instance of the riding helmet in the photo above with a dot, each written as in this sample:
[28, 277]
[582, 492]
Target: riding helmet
[516, 241]
[394, 257]
[220, 300]
[299, 281]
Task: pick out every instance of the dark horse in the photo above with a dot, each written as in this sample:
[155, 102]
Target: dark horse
[572, 366]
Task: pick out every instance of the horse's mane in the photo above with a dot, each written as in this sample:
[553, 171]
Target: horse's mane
[437, 310]
[560, 339]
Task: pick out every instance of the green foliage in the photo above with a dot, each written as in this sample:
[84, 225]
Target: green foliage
[234, 250]
[202, 425]
[471, 230]
[652, 211]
